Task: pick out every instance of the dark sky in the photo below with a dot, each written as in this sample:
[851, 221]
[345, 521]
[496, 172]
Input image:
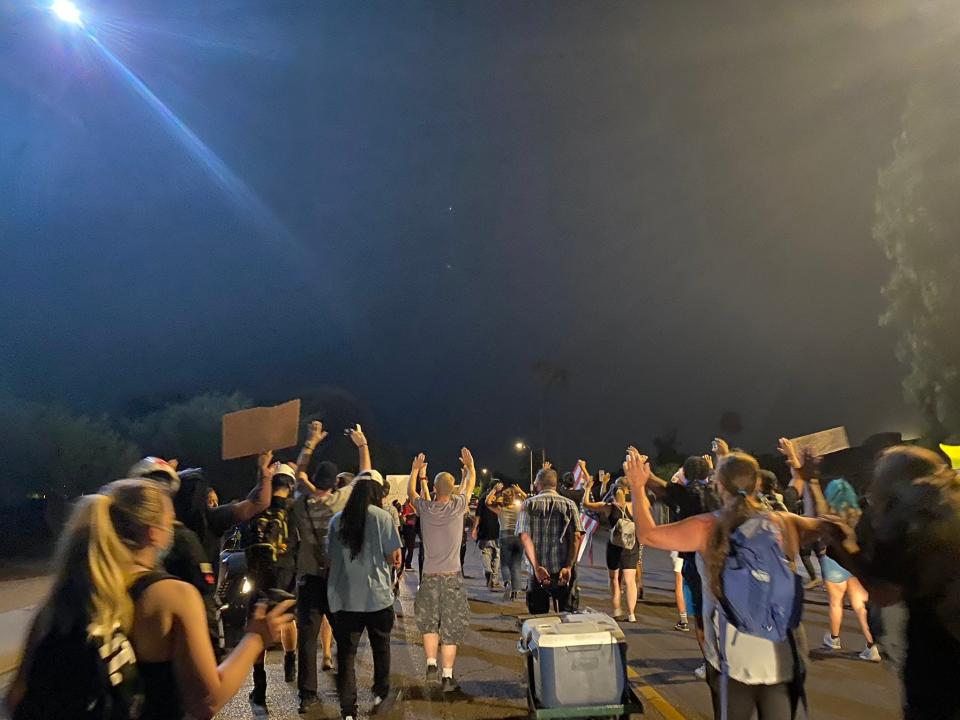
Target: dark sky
[418, 202]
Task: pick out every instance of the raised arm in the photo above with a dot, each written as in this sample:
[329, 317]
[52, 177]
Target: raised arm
[688, 535]
[470, 478]
[418, 466]
[315, 435]
[491, 498]
[360, 440]
[587, 503]
[259, 498]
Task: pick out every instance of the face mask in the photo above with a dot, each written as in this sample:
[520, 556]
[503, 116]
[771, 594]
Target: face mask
[164, 552]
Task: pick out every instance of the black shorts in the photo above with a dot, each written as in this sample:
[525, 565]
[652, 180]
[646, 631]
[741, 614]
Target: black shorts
[619, 558]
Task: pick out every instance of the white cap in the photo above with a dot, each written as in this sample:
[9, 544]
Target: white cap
[370, 475]
[285, 469]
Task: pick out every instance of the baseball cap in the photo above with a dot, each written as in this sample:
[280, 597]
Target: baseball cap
[154, 468]
[370, 475]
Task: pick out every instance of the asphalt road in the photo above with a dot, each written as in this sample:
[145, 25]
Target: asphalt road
[491, 671]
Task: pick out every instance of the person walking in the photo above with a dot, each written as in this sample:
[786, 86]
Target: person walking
[363, 551]
[622, 561]
[317, 502]
[486, 533]
[842, 500]
[747, 673]
[119, 637]
[442, 612]
[506, 505]
[550, 529]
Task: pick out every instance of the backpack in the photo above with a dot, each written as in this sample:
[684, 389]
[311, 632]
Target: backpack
[624, 532]
[70, 674]
[267, 532]
[763, 596]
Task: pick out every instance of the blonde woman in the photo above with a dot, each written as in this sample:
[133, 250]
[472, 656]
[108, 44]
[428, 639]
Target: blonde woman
[109, 593]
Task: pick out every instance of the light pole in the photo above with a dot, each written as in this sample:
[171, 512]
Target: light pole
[520, 446]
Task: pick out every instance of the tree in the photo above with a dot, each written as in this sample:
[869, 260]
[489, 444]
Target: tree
[188, 430]
[918, 226]
[47, 449]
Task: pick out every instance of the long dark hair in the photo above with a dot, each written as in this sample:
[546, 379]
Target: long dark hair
[353, 521]
[739, 474]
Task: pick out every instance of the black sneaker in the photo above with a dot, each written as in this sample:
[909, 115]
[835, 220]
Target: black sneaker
[307, 703]
[433, 673]
[258, 696]
[449, 685]
[290, 667]
[682, 626]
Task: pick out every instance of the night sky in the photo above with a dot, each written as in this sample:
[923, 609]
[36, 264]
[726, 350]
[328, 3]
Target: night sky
[672, 202]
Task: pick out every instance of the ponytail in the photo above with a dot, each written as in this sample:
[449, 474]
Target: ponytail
[108, 562]
[733, 515]
[738, 474]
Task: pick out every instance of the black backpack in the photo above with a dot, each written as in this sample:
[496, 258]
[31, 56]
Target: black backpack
[268, 532]
[69, 674]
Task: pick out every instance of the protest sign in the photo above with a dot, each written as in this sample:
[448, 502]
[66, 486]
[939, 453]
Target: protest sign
[823, 443]
[257, 430]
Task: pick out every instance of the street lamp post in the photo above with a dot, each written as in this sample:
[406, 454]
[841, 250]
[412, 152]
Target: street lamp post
[520, 446]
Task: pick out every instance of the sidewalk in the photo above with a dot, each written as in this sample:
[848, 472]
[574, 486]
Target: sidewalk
[18, 600]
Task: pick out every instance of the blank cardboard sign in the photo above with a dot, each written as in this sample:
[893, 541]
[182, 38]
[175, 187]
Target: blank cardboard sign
[254, 431]
[823, 443]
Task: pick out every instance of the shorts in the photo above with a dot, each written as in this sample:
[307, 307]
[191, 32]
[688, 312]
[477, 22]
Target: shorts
[692, 587]
[677, 561]
[832, 571]
[619, 558]
[441, 608]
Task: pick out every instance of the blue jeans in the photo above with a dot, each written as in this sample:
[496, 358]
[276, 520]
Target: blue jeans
[511, 560]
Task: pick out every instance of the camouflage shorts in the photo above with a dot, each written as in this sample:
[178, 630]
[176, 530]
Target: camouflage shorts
[441, 608]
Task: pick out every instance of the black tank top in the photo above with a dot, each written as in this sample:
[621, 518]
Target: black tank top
[162, 696]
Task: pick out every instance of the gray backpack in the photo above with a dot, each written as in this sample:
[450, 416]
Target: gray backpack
[624, 532]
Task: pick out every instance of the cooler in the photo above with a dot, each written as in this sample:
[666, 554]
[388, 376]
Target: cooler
[578, 660]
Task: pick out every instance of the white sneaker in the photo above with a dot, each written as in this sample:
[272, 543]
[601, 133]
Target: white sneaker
[701, 672]
[870, 654]
[830, 642]
[631, 618]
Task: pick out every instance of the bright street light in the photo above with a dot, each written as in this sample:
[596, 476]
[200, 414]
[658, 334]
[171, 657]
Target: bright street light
[66, 11]
[484, 471]
[519, 446]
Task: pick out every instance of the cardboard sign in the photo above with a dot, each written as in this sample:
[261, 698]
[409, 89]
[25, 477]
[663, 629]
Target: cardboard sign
[254, 431]
[396, 488]
[823, 443]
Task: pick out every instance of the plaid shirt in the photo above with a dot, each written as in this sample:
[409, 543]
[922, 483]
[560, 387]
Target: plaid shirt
[552, 522]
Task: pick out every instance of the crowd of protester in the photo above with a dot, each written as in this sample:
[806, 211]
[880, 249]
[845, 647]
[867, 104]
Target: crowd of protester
[132, 626]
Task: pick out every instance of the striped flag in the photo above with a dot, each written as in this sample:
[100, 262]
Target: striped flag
[590, 524]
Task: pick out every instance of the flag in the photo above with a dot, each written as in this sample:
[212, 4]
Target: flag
[590, 523]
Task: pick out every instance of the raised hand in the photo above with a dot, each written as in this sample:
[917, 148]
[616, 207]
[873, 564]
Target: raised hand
[789, 451]
[466, 458]
[315, 433]
[547, 465]
[708, 459]
[587, 480]
[720, 447]
[356, 435]
[263, 461]
[419, 465]
[636, 468]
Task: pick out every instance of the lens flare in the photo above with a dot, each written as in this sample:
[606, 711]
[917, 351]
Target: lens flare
[66, 11]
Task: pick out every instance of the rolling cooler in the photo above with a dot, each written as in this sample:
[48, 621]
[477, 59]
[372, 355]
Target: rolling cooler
[576, 667]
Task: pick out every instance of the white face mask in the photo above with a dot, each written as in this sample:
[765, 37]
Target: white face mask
[164, 552]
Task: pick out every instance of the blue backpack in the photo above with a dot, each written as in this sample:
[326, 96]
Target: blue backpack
[763, 595]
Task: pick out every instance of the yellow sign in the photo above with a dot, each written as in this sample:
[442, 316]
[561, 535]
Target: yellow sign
[953, 452]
